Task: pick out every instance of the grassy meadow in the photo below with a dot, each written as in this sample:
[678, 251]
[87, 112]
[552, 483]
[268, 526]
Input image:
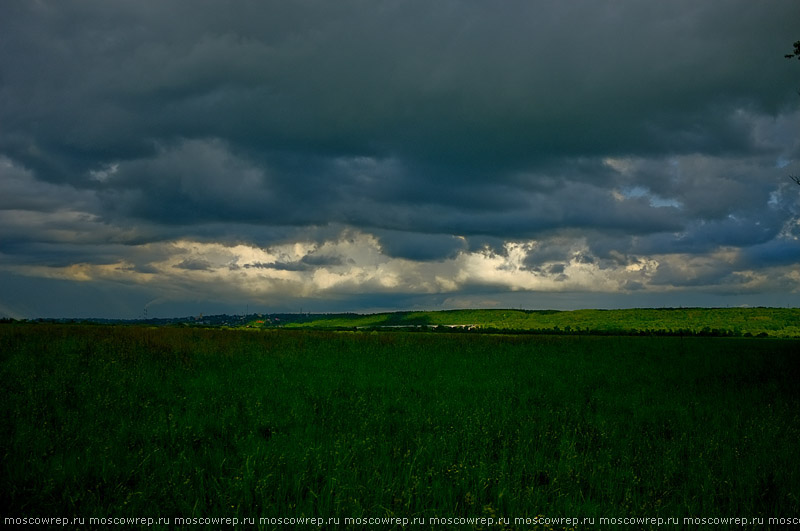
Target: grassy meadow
[135, 421]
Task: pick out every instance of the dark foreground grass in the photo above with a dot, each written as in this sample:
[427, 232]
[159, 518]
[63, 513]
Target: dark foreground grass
[113, 421]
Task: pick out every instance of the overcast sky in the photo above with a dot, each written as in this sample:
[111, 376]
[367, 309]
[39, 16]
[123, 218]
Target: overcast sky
[204, 156]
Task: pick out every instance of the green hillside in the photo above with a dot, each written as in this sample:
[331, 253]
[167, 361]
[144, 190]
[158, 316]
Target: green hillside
[774, 322]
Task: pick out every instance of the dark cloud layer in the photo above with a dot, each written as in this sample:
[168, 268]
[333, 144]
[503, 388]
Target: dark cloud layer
[619, 132]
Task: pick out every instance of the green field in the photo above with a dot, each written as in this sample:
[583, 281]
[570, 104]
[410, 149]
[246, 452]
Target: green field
[101, 421]
[772, 322]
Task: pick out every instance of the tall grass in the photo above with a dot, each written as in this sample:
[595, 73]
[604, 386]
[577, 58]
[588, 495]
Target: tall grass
[165, 422]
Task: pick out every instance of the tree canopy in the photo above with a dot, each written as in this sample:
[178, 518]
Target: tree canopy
[796, 53]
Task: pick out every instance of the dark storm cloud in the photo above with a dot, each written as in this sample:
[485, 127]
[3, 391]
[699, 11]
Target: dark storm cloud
[420, 247]
[146, 269]
[194, 265]
[192, 182]
[307, 263]
[463, 83]
[558, 250]
[440, 128]
[773, 253]
[20, 190]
